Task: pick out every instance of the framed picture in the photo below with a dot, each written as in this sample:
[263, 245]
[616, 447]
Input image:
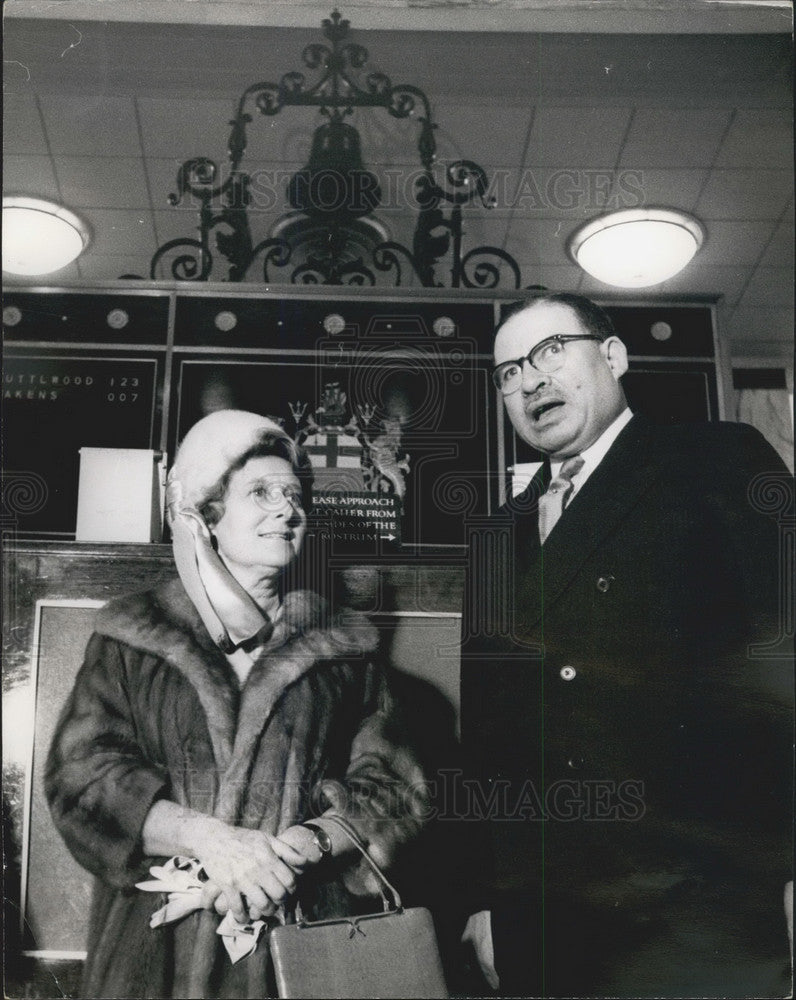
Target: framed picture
[55, 890]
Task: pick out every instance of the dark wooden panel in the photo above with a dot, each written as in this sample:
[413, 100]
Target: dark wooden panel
[74, 317]
[440, 401]
[644, 330]
[295, 323]
[759, 378]
[55, 405]
[672, 393]
[668, 331]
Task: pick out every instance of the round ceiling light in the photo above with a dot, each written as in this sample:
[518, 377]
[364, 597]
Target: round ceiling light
[40, 237]
[637, 247]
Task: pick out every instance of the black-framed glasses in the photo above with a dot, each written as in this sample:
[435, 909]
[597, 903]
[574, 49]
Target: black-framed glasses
[546, 357]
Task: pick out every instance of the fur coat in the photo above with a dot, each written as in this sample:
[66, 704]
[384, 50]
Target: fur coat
[157, 712]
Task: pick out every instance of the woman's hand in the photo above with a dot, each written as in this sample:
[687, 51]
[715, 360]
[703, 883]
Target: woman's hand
[249, 872]
[241, 864]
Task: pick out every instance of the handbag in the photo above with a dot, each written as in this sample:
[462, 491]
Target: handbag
[391, 953]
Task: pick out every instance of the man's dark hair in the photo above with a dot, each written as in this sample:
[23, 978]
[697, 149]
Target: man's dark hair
[595, 319]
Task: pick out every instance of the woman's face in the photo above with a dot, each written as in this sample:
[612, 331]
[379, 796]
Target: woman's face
[264, 523]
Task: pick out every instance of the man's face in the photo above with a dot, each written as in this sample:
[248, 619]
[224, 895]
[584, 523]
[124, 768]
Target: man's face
[563, 413]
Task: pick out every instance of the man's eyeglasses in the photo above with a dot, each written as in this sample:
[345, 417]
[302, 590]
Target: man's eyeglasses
[546, 357]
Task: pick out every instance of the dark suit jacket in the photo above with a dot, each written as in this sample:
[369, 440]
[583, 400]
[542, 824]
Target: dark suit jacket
[628, 744]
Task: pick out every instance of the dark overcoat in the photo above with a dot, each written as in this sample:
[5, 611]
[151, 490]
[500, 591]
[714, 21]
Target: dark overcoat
[627, 717]
[156, 711]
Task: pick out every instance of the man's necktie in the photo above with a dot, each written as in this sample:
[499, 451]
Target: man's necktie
[552, 503]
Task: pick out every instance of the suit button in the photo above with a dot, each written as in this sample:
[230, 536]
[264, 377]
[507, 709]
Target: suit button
[567, 673]
[575, 762]
[604, 583]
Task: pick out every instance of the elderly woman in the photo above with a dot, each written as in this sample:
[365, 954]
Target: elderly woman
[219, 717]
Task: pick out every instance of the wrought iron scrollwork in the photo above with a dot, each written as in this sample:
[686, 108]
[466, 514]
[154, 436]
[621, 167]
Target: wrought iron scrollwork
[195, 265]
[336, 90]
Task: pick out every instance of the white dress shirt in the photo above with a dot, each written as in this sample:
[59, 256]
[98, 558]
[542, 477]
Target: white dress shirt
[595, 453]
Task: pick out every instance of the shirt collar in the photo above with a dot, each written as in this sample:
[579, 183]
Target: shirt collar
[595, 453]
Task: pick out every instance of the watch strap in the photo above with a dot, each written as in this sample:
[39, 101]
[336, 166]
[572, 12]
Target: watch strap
[322, 839]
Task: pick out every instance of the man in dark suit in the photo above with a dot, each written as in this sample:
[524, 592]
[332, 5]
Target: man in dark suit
[626, 690]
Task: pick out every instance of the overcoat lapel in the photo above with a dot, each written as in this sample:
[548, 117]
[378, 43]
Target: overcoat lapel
[617, 484]
[279, 668]
[165, 624]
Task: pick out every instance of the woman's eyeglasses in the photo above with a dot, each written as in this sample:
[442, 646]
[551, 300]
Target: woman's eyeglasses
[270, 498]
[546, 357]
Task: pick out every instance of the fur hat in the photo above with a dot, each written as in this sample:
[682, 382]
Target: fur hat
[212, 446]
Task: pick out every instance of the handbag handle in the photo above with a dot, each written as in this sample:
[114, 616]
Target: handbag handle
[354, 837]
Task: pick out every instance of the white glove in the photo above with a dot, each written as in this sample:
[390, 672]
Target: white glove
[183, 879]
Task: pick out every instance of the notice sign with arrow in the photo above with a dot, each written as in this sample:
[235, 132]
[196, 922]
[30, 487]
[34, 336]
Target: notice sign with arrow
[358, 519]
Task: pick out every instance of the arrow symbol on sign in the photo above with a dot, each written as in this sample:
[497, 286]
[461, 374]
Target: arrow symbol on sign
[390, 538]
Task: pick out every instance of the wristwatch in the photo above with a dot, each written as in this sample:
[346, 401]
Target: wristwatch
[322, 839]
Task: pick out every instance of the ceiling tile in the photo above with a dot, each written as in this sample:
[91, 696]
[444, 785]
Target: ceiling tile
[590, 286]
[693, 285]
[169, 132]
[109, 267]
[482, 227]
[699, 278]
[121, 231]
[749, 328]
[779, 251]
[507, 189]
[176, 223]
[557, 279]
[387, 140]
[91, 125]
[161, 174]
[759, 137]
[744, 352]
[769, 286]
[286, 136]
[745, 194]
[674, 137]
[571, 193]
[572, 137]
[30, 175]
[540, 241]
[661, 188]
[183, 223]
[169, 127]
[22, 127]
[478, 133]
[728, 243]
[102, 181]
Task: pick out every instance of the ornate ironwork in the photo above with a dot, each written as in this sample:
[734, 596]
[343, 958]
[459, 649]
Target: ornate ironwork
[223, 204]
